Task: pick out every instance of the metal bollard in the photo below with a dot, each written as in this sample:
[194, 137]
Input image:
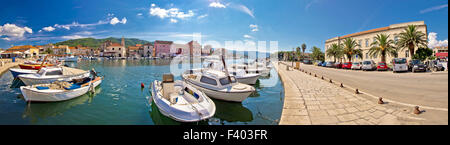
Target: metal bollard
[380, 101]
[356, 91]
[416, 110]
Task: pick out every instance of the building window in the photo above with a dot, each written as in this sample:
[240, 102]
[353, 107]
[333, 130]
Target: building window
[395, 39]
[119, 48]
[406, 53]
[360, 43]
[113, 48]
[367, 42]
[374, 39]
[367, 55]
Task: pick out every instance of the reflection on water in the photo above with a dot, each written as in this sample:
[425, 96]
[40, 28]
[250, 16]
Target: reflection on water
[43, 110]
[232, 112]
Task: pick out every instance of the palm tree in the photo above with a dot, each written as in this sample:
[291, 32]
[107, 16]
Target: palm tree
[303, 49]
[411, 38]
[334, 51]
[349, 48]
[382, 46]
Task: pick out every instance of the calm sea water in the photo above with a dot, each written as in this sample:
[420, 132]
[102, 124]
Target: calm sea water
[120, 100]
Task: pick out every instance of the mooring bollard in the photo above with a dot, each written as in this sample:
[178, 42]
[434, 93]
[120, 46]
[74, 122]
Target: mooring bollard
[416, 110]
[380, 101]
[342, 85]
[357, 91]
[322, 77]
[315, 75]
[331, 81]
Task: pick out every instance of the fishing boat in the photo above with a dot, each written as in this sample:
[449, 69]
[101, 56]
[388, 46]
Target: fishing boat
[180, 101]
[34, 66]
[59, 91]
[219, 85]
[51, 74]
[17, 71]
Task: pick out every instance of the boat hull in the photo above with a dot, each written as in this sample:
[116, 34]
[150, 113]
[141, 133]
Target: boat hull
[33, 66]
[33, 81]
[17, 72]
[226, 96]
[54, 96]
[248, 80]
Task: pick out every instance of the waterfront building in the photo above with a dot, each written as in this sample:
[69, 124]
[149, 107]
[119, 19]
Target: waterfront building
[147, 50]
[195, 48]
[180, 49]
[116, 50]
[24, 51]
[133, 51]
[365, 38]
[61, 50]
[162, 48]
[441, 52]
[206, 50]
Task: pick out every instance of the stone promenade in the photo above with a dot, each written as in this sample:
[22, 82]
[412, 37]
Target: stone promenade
[310, 100]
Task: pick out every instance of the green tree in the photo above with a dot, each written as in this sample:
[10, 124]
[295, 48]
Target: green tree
[423, 53]
[48, 51]
[334, 51]
[411, 38]
[349, 48]
[382, 47]
[303, 49]
[317, 54]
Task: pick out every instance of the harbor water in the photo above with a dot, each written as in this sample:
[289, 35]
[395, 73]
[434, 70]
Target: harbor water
[120, 100]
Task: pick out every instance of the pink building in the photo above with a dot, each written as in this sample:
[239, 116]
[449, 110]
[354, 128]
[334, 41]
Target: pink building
[162, 48]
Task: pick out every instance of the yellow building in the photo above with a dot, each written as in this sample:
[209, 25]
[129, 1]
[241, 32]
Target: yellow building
[24, 51]
[365, 38]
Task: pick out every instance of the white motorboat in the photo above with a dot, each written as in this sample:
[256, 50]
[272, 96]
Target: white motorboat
[241, 75]
[180, 101]
[18, 71]
[263, 71]
[218, 85]
[50, 74]
[59, 91]
[71, 59]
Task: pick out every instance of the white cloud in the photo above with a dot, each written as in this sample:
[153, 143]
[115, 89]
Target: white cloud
[248, 36]
[435, 8]
[173, 21]
[254, 28]
[13, 32]
[115, 20]
[202, 16]
[139, 14]
[171, 13]
[310, 4]
[73, 37]
[433, 42]
[246, 10]
[217, 5]
[48, 29]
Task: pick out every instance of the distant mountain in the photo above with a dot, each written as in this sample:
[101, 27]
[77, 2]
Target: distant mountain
[92, 42]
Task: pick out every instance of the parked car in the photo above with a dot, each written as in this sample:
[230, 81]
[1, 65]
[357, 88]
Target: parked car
[416, 65]
[399, 65]
[319, 63]
[347, 65]
[324, 64]
[356, 66]
[338, 65]
[369, 65]
[329, 64]
[435, 65]
[382, 66]
[307, 61]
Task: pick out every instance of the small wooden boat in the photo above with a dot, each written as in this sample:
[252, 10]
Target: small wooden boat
[180, 101]
[51, 74]
[34, 66]
[59, 91]
[17, 71]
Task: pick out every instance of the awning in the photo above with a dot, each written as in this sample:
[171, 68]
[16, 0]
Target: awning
[441, 54]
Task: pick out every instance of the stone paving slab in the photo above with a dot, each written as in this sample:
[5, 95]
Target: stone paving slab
[310, 100]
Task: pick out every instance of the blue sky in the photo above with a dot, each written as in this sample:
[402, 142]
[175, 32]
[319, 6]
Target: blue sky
[290, 22]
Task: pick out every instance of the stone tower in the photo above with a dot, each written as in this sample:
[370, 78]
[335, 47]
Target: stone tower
[123, 42]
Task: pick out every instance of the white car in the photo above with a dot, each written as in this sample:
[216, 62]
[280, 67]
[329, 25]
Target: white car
[356, 65]
[399, 65]
[368, 65]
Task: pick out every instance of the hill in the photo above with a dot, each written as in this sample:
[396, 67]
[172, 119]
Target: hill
[92, 42]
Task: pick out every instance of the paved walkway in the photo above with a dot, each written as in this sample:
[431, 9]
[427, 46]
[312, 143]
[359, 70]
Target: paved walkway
[310, 100]
[5, 67]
